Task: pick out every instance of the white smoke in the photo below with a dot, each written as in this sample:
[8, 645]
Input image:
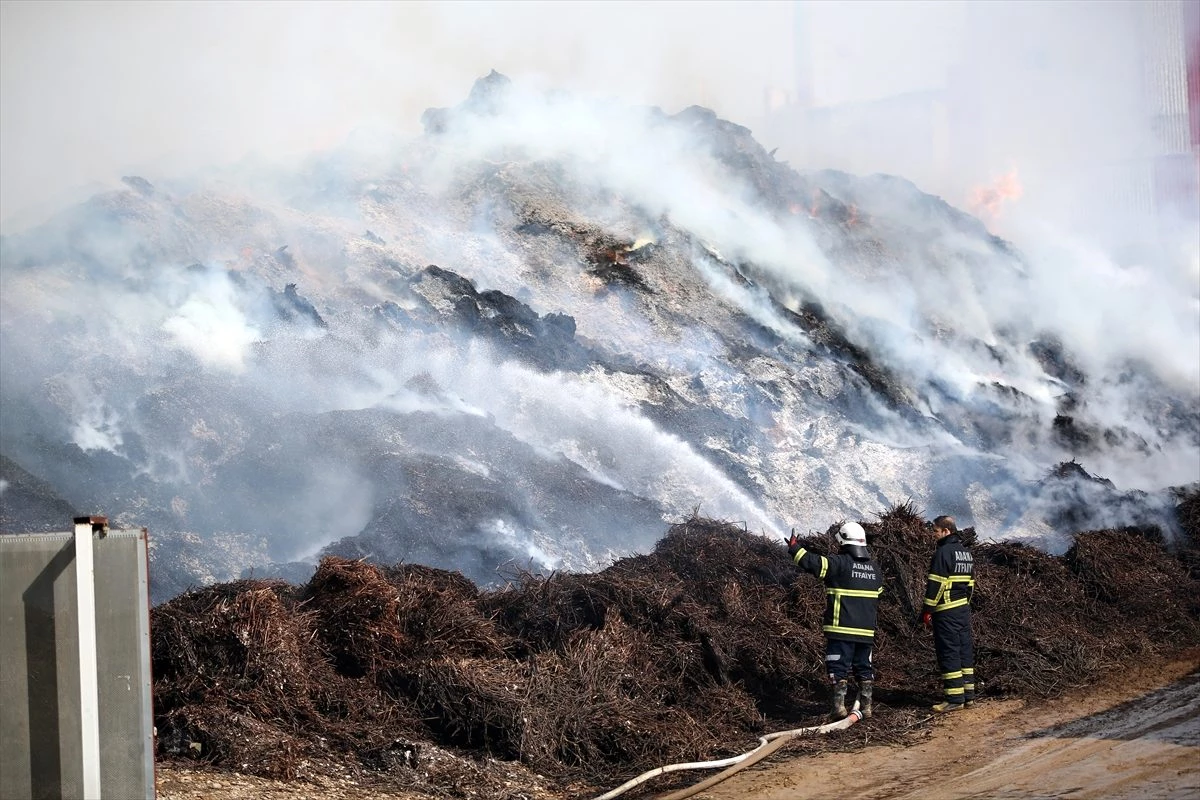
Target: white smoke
[559, 414]
[522, 541]
[1111, 314]
[1108, 315]
[210, 326]
[96, 426]
[619, 168]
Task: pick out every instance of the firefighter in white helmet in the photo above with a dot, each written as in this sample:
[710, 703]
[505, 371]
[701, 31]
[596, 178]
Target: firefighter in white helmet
[853, 583]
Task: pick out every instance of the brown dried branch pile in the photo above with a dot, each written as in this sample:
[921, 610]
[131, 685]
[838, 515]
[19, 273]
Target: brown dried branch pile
[1188, 512]
[240, 680]
[689, 652]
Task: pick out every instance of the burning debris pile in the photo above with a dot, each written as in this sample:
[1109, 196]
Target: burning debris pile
[544, 326]
[413, 676]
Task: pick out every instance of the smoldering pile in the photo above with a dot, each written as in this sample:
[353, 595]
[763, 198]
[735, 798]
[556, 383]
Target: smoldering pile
[414, 677]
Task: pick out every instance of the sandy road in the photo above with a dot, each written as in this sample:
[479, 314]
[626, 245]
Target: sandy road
[1136, 738]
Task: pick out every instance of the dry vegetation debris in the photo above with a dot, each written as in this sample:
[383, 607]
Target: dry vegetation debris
[412, 678]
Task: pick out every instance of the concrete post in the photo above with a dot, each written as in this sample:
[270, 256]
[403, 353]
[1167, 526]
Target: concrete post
[89, 687]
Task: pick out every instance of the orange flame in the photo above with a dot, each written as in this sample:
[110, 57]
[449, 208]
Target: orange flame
[244, 260]
[989, 201]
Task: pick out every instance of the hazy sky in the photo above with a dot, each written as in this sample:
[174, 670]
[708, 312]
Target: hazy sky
[91, 89]
[1046, 89]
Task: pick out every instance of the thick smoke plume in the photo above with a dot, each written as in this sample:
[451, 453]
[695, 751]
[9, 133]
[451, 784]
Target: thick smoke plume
[551, 323]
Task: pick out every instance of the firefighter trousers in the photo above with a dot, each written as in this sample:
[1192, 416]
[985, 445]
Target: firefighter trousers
[955, 649]
[843, 658]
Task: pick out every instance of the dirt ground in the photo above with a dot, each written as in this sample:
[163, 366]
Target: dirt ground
[1134, 737]
[184, 783]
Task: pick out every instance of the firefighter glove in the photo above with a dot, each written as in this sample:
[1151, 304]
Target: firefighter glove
[793, 544]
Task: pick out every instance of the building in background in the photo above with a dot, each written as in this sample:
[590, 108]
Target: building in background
[1191, 32]
[839, 101]
[1160, 184]
[1170, 38]
[1090, 111]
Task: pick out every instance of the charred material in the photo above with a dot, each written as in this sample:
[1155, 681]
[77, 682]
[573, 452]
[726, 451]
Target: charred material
[611, 264]
[29, 503]
[290, 306]
[138, 184]
[825, 332]
[1072, 499]
[1050, 354]
[546, 341]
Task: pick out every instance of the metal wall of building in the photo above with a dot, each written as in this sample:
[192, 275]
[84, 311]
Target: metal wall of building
[1168, 31]
[1164, 65]
[1191, 33]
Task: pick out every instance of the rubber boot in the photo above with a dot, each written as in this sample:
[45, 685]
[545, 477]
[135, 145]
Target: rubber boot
[945, 706]
[864, 697]
[839, 700]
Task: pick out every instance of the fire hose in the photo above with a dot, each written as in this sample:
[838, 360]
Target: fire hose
[767, 745]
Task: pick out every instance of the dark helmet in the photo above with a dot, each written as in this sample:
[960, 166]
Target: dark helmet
[853, 539]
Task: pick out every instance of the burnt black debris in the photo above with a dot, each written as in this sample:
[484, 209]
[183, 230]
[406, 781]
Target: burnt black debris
[138, 184]
[29, 503]
[1072, 499]
[546, 341]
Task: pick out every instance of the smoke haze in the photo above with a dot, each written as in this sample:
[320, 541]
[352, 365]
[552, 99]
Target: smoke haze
[1047, 95]
[94, 90]
[271, 336]
[98, 89]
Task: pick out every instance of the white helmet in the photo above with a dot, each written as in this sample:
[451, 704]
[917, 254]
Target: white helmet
[852, 536]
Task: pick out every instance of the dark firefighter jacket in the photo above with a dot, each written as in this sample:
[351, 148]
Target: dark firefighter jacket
[951, 581]
[852, 590]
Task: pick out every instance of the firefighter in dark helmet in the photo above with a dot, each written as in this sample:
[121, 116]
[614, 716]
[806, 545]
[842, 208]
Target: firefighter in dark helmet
[853, 583]
[947, 608]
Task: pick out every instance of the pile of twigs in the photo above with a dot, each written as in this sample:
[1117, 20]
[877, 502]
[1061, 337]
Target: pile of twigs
[1187, 548]
[687, 653]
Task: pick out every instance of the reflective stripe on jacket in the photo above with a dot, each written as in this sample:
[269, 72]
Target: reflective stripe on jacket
[852, 590]
[951, 581]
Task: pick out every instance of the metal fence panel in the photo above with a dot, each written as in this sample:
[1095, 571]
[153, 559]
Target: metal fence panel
[40, 713]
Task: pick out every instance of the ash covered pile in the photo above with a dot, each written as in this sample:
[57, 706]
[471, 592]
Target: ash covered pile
[414, 677]
[547, 325]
